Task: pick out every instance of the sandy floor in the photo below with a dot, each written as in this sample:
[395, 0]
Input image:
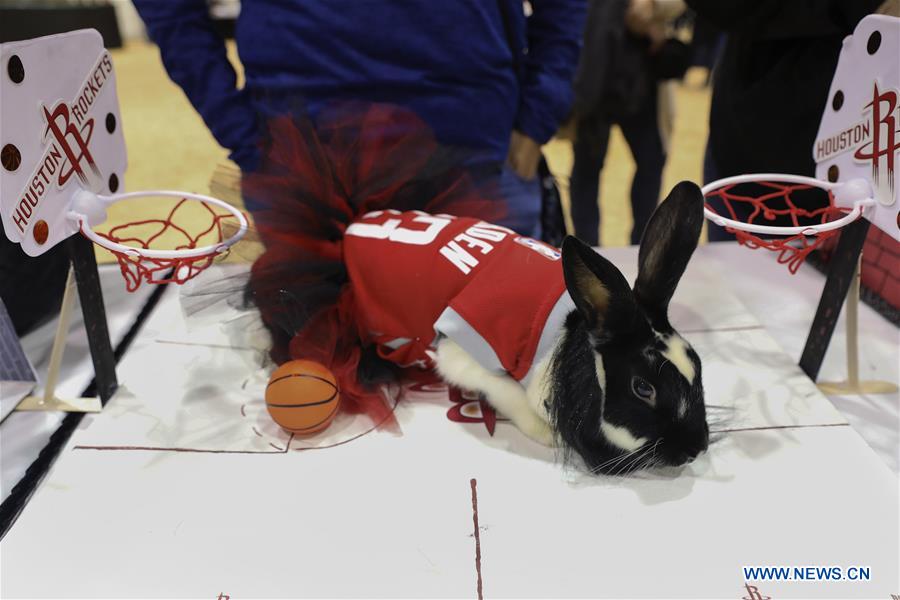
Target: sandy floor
[170, 147]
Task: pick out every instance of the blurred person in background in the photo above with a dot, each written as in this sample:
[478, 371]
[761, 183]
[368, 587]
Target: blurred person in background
[621, 81]
[481, 75]
[771, 84]
[707, 43]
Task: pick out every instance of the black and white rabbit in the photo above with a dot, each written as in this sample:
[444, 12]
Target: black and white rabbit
[621, 388]
[356, 277]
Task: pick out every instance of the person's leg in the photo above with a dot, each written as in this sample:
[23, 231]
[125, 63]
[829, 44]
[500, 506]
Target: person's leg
[641, 131]
[584, 183]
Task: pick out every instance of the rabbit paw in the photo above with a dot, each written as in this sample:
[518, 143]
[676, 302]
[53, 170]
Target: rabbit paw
[538, 430]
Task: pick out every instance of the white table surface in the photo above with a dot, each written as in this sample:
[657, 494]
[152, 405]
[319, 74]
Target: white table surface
[186, 522]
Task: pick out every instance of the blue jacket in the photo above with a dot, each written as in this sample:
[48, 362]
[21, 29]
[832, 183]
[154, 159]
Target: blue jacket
[448, 60]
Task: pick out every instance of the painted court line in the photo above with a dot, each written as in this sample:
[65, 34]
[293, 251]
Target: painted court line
[719, 329]
[770, 427]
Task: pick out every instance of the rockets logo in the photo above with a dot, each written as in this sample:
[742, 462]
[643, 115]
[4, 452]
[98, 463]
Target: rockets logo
[70, 139]
[874, 140]
[884, 144]
[754, 594]
[471, 408]
[466, 407]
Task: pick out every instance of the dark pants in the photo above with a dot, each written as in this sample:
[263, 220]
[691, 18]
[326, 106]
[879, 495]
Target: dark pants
[641, 131]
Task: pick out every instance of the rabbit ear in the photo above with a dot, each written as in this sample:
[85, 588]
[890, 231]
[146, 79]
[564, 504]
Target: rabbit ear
[669, 241]
[599, 290]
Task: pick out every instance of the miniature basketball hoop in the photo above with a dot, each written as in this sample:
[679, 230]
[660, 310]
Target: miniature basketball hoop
[62, 163]
[770, 196]
[856, 152]
[138, 260]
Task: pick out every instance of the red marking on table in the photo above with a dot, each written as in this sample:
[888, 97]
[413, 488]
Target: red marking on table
[189, 450]
[473, 483]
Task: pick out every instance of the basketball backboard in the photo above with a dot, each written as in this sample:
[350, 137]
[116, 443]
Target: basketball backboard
[859, 135]
[60, 131]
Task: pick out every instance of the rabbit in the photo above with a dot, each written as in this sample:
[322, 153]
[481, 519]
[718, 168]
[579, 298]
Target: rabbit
[620, 388]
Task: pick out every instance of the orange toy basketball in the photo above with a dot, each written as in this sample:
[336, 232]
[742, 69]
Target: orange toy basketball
[302, 397]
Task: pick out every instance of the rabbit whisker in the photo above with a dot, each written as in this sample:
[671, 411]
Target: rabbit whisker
[627, 467]
[613, 461]
[617, 458]
[645, 459]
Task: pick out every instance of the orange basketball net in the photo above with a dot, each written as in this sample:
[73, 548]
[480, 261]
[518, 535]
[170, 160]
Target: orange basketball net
[765, 202]
[137, 267]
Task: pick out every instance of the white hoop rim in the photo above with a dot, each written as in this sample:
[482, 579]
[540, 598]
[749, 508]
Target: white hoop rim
[201, 252]
[859, 206]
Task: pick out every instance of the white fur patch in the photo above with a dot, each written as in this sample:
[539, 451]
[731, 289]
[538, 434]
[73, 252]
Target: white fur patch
[601, 372]
[504, 393]
[620, 436]
[676, 353]
[616, 435]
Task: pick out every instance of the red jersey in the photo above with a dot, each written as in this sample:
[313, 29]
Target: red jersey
[417, 277]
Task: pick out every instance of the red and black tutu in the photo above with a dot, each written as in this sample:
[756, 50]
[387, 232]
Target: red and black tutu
[314, 180]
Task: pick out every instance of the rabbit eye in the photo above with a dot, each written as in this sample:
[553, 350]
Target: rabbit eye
[643, 390]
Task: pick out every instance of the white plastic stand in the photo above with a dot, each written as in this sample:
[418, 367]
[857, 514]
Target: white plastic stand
[49, 401]
[853, 385]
